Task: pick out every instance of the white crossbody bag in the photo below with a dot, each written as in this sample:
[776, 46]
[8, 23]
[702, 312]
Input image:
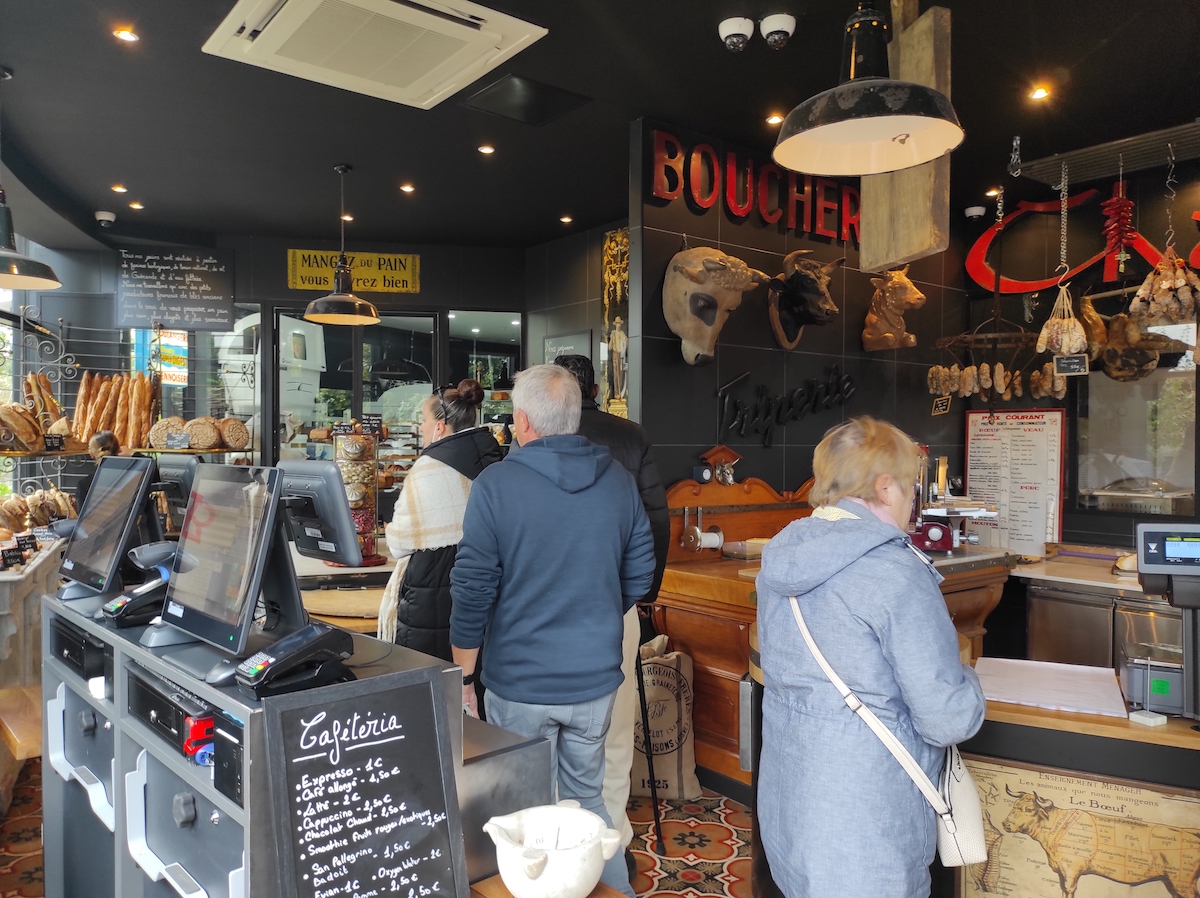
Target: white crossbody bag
[959, 817]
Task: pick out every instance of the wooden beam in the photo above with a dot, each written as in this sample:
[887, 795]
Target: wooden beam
[906, 214]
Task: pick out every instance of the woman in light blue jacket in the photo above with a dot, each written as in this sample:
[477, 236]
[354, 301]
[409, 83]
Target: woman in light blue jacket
[838, 815]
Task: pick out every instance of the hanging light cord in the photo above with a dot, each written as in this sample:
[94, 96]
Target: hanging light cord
[342, 203]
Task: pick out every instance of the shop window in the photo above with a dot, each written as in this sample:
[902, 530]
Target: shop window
[1137, 439]
[485, 346]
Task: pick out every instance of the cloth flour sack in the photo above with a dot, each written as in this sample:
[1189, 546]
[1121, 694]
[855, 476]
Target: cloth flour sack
[668, 679]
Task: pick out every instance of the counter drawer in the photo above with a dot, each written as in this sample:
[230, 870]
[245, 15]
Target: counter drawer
[712, 641]
[177, 834]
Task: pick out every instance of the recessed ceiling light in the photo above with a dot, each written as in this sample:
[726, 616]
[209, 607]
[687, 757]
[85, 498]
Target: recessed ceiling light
[407, 188]
[347, 217]
[474, 330]
[993, 192]
[566, 219]
[1039, 93]
[487, 149]
[136, 205]
[126, 34]
[119, 188]
[517, 323]
[451, 315]
[774, 119]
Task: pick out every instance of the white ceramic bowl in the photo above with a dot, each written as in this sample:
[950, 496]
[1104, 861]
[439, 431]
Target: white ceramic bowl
[552, 851]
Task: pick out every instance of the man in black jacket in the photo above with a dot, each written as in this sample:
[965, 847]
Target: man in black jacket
[629, 446]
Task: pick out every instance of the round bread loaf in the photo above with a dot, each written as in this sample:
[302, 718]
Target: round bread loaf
[320, 433]
[175, 419]
[234, 433]
[202, 434]
[500, 396]
[161, 430]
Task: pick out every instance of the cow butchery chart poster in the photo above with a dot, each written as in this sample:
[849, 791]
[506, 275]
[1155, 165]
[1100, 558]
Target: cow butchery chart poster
[1015, 462]
[1051, 833]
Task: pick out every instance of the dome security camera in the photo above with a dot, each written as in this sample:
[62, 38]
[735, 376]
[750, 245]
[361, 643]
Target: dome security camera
[975, 211]
[736, 33]
[106, 219]
[777, 29]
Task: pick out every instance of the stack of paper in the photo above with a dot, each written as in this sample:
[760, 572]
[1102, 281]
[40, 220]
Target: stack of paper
[1045, 684]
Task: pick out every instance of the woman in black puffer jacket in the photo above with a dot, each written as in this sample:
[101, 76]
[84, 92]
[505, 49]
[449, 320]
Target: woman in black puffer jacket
[427, 522]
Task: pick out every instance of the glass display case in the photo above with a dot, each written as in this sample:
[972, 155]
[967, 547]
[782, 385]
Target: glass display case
[1137, 438]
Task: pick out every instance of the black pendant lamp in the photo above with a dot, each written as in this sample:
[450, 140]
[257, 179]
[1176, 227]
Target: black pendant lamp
[342, 306]
[868, 124]
[18, 271]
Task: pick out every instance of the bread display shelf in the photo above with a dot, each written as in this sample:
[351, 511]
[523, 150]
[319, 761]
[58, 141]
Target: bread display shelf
[151, 449]
[26, 453]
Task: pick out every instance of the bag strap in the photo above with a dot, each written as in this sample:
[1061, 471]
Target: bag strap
[886, 736]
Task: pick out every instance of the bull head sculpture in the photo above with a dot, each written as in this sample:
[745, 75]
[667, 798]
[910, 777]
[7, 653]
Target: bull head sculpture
[894, 295]
[800, 296]
[702, 286]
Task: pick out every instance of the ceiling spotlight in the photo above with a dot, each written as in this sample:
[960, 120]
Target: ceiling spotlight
[566, 219]
[736, 33]
[136, 205]
[487, 149]
[777, 29]
[126, 34]
[993, 192]
[869, 124]
[474, 330]
[517, 323]
[407, 188]
[451, 315]
[347, 217]
[1039, 93]
[774, 119]
[119, 188]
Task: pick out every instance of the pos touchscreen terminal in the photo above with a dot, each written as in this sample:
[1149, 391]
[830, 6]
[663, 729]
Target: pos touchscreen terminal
[233, 585]
[117, 515]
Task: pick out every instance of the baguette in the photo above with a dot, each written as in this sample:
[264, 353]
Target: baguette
[96, 410]
[136, 400]
[81, 401]
[109, 416]
[52, 405]
[37, 402]
[120, 426]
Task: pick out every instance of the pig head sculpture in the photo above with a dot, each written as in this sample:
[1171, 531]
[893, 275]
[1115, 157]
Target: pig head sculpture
[702, 286]
[800, 296]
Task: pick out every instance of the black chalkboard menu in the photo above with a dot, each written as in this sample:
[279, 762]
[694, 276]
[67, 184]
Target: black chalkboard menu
[183, 288]
[363, 785]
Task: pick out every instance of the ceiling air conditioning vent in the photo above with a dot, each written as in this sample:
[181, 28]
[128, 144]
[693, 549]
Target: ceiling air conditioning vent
[416, 53]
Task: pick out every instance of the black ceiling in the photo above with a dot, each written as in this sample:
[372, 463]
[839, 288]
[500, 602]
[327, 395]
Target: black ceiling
[213, 146]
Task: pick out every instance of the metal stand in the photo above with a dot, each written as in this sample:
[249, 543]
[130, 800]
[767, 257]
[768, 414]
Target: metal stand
[659, 847]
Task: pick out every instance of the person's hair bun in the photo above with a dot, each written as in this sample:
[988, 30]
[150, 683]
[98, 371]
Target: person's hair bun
[471, 391]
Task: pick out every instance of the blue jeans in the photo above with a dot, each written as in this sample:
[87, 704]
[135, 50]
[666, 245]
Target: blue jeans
[576, 736]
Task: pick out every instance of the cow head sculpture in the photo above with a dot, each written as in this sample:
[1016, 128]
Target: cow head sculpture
[800, 296]
[894, 295]
[1028, 813]
[702, 286]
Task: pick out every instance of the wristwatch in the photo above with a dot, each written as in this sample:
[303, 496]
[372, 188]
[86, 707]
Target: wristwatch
[469, 679]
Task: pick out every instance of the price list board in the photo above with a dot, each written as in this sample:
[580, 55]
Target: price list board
[363, 786]
[1015, 462]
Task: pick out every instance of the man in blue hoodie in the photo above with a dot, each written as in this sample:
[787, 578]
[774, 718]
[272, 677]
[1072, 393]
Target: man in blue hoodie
[556, 548]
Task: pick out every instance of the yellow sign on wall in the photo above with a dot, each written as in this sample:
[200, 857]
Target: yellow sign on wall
[312, 269]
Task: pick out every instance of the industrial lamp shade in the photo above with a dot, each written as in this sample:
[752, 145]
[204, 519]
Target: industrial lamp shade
[868, 124]
[341, 306]
[18, 271]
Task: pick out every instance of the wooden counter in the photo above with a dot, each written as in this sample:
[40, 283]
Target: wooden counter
[708, 609]
[1177, 732]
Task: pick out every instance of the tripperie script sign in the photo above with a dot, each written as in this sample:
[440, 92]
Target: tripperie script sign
[764, 412]
[364, 790]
